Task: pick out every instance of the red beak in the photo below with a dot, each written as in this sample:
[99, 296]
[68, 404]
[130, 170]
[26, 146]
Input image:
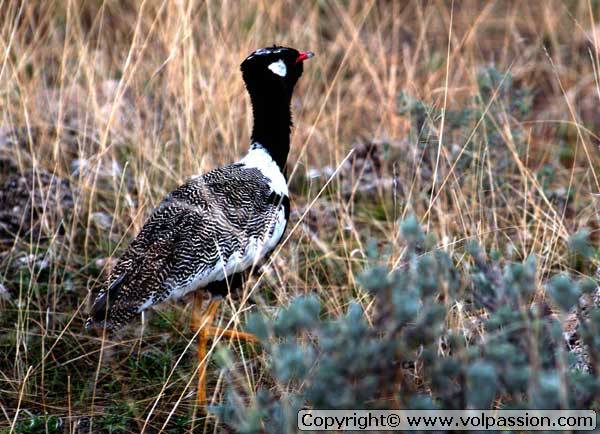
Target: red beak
[304, 55]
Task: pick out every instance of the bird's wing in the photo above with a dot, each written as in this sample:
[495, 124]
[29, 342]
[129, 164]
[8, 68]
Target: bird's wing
[211, 227]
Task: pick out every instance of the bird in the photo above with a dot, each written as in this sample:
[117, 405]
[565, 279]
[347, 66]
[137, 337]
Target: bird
[209, 233]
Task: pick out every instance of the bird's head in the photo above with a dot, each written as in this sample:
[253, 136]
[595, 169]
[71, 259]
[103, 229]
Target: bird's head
[273, 69]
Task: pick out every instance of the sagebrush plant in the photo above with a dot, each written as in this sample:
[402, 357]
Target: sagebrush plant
[498, 101]
[408, 355]
[480, 118]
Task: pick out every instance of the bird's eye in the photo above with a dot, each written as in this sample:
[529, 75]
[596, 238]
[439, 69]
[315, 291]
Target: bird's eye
[278, 68]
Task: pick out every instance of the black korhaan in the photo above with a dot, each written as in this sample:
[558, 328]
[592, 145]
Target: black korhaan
[219, 225]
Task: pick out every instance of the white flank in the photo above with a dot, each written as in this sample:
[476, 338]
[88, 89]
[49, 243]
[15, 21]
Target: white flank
[260, 159]
[280, 225]
[278, 68]
[256, 249]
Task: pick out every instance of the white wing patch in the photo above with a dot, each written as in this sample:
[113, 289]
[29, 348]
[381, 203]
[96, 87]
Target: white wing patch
[278, 68]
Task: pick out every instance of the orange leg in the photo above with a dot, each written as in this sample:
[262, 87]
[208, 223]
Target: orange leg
[203, 322]
[232, 334]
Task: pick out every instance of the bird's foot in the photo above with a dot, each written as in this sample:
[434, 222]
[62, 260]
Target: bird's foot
[206, 331]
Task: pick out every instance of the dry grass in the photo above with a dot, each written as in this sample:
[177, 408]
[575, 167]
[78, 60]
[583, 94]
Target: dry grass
[125, 100]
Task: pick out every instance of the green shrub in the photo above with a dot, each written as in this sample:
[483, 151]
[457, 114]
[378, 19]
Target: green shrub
[412, 353]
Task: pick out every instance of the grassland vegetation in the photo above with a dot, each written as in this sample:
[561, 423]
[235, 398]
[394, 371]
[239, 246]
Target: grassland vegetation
[444, 231]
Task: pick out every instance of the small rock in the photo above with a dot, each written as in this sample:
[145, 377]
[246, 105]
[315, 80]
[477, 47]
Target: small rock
[32, 201]
[325, 172]
[364, 170]
[106, 169]
[102, 220]
[106, 263]
[4, 294]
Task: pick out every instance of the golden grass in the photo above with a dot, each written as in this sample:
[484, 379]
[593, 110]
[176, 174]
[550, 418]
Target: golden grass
[148, 93]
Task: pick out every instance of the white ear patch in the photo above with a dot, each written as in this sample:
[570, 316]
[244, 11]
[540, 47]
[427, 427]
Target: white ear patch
[278, 68]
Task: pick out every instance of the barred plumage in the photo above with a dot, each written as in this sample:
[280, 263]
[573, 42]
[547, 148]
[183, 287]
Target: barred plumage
[216, 226]
[212, 227]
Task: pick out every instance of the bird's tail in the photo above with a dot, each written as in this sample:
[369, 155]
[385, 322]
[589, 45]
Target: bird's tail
[101, 314]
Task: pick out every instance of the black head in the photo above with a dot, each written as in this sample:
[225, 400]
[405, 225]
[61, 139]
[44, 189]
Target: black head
[273, 69]
[270, 75]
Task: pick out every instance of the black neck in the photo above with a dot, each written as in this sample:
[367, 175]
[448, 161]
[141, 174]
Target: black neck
[272, 123]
